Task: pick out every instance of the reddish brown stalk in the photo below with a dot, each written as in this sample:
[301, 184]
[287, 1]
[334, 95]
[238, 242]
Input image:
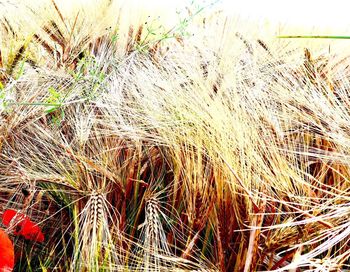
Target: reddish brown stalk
[129, 42]
[190, 246]
[200, 226]
[54, 37]
[252, 253]
[47, 47]
[221, 254]
[73, 27]
[220, 250]
[138, 34]
[284, 259]
[59, 13]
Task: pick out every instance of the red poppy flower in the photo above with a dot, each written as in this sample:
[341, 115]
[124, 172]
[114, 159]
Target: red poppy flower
[7, 255]
[23, 226]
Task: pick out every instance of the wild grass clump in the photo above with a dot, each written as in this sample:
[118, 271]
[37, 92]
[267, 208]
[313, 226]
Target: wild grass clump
[138, 146]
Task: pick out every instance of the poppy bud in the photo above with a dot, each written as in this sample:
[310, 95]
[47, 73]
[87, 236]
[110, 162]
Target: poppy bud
[25, 192]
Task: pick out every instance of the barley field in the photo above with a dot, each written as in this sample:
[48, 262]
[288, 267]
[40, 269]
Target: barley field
[135, 139]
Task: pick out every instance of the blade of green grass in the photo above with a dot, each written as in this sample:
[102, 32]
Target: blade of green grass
[312, 37]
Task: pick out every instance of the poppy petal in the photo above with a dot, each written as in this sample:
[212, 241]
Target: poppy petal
[7, 256]
[7, 216]
[35, 236]
[31, 231]
[24, 227]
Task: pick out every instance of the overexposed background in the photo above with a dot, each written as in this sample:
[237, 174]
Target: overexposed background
[266, 17]
[307, 14]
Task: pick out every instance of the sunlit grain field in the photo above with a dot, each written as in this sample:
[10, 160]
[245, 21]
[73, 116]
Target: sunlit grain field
[140, 139]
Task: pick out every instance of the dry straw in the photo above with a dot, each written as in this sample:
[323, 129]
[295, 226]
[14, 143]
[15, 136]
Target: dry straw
[191, 145]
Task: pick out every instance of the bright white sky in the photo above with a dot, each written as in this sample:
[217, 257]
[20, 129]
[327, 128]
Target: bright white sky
[333, 14]
[308, 13]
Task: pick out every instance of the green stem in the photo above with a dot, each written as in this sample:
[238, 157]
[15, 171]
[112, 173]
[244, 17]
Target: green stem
[312, 37]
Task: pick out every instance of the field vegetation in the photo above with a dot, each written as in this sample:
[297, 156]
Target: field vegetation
[189, 142]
